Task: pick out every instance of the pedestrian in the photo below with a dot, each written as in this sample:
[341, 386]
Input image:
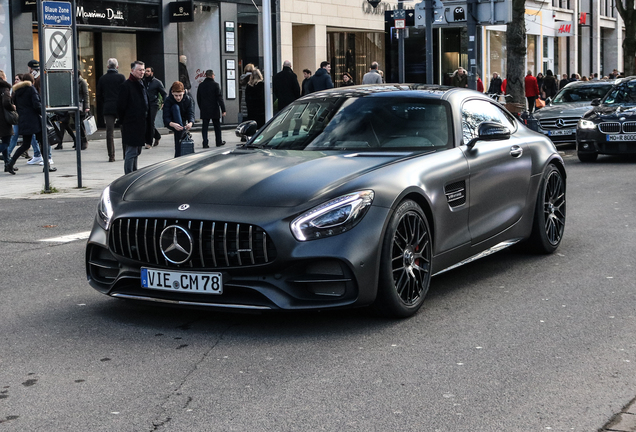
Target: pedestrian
[184, 75]
[212, 106]
[504, 86]
[564, 81]
[37, 156]
[347, 80]
[285, 86]
[495, 85]
[460, 78]
[108, 87]
[480, 84]
[65, 117]
[34, 70]
[243, 80]
[305, 84]
[550, 87]
[540, 78]
[134, 113]
[255, 98]
[6, 129]
[595, 76]
[155, 88]
[373, 76]
[321, 80]
[178, 114]
[532, 90]
[27, 102]
[575, 77]
[585, 78]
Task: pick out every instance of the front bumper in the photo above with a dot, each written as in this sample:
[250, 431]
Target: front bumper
[594, 141]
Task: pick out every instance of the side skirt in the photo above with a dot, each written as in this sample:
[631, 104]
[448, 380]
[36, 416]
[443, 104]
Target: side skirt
[490, 251]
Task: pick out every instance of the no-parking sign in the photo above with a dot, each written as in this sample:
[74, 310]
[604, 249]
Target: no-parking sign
[58, 48]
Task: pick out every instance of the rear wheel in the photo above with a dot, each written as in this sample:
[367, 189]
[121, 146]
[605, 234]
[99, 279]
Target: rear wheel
[587, 157]
[405, 269]
[549, 214]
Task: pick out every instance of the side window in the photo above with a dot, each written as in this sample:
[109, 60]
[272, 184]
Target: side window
[475, 112]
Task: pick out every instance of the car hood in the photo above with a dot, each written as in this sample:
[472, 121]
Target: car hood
[611, 112]
[243, 177]
[563, 110]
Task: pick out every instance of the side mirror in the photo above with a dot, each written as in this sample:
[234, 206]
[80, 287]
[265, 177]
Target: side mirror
[596, 102]
[490, 131]
[246, 129]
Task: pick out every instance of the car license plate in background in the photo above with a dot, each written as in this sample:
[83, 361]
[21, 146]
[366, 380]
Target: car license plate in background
[198, 283]
[625, 137]
[561, 132]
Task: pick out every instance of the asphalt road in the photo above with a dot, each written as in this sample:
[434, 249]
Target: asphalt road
[513, 342]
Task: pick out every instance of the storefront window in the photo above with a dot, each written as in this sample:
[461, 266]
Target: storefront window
[531, 55]
[5, 40]
[497, 61]
[353, 53]
[86, 65]
[454, 52]
[200, 42]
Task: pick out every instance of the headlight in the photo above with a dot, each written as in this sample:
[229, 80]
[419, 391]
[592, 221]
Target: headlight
[105, 209]
[333, 217]
[586, 124]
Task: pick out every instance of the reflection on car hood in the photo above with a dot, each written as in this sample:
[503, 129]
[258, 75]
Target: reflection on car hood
[563, 110]
[611, 112]
[254, 177]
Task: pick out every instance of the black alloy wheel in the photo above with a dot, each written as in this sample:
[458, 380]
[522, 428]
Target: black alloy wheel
[549, 219]
[405, 270]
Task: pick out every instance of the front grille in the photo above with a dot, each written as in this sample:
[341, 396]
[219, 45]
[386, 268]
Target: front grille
[553, 123]
[610, 127]
[629, 127]
[216, 244]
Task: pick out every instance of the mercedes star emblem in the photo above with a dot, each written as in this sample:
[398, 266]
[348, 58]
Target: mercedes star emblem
[183, 207]
[176, 244]
[560, 123]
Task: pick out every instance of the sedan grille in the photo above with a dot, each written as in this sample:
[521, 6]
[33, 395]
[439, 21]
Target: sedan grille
[629, 127]
[214, 244]
[610, 127]
[559, 123]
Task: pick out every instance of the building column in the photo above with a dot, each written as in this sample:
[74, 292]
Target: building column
[309, 47]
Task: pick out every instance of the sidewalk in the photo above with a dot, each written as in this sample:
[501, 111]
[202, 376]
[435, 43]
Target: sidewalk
[96, 171]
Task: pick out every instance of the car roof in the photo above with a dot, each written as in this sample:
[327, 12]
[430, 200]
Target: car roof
[592, 83]
[429, 91]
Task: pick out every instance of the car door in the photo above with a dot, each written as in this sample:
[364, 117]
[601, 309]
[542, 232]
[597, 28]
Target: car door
[499, 172]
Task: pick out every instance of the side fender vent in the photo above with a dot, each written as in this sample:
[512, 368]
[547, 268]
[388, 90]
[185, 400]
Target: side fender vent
[456, 193]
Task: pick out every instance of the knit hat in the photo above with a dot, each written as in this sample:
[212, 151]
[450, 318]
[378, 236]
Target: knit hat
[177, 87]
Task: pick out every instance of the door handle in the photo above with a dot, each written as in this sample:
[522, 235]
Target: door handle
[516, 151]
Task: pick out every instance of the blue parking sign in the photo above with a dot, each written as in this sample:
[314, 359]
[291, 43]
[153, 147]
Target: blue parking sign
[56, 13]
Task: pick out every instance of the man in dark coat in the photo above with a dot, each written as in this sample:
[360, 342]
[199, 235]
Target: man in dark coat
[154, 87]
[305, 84]
[107, 93]
[134, 113]
[286, 87]
[210, 101]
[321, 79]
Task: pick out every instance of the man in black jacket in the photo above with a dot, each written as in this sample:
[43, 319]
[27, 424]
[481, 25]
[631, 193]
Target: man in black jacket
[286, 87]
[107, 93]
[210, 101]
[154, 87]
[321, 79]
[133, 112]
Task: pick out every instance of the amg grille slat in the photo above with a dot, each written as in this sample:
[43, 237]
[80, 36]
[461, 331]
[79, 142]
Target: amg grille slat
[215, 244]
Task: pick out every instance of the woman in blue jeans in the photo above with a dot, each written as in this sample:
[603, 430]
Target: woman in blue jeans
[5, 128]
[178, 114]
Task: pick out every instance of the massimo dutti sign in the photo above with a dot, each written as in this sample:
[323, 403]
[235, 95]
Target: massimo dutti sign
[92, 13]
[181, 11]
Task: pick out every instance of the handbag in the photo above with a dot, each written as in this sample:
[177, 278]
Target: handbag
[539, 103]
[52, 131]
[187, 144]
[11, 117]
[90, 127]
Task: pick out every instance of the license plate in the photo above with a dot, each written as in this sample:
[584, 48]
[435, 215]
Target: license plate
[190, 282]
[622, 137]
[561, 132]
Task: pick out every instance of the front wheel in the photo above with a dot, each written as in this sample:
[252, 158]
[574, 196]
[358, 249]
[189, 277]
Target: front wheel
[405, 269]
[549, 214]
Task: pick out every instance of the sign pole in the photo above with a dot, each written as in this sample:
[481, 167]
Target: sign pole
[43, 99]
[75, 89]
[401, 33]
[429, 42]
[472, 43]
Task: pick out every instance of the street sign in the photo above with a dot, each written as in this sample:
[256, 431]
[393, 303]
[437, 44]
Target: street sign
[400, 24]
[406, 14]
[56, 13]
[491, 12]
[58, 48]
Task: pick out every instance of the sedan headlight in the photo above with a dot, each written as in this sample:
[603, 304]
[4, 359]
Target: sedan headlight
[333, 217]
[586, 124]
[105, 209]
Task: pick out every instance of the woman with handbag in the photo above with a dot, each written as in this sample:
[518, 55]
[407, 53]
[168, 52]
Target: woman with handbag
[27, 102]
[6, 126]
[255, 98]
[178, 114]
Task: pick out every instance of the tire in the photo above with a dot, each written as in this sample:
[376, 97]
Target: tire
[405, 268]
[549, 213]
[587, 157]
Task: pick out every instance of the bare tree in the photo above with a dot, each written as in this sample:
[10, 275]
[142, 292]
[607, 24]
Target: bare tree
[627, 12]
[516, 45]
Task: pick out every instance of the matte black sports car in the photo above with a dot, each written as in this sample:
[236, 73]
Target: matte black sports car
[347, 197]
[609, 128]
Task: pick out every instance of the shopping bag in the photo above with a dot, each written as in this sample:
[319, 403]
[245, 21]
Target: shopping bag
[53, 131]
[539, 103]
[187, 144]
[90, 127]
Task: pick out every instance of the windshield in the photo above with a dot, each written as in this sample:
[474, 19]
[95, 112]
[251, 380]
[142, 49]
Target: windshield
[624, 94]
[360, 123]
[581, 93]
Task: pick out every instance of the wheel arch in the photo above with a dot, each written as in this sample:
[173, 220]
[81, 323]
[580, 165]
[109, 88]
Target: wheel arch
[424, 203]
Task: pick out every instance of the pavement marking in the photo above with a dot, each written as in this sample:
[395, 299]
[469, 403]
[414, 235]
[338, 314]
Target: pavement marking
[68, 238]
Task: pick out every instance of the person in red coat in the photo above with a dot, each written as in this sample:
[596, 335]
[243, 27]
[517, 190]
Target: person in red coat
[480, 84]
[532, 90]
